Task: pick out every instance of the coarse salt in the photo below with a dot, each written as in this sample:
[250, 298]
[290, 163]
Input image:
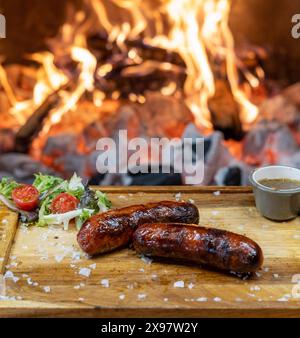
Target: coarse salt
[105, 283]
[85, 272]
[93, 266]
[122, 296]
[146, 259]
[179, 284]
[141, 296]
[10, 275]
[275, 275]
[217, 193]
[47, 289]
[59, 258]
[178, 196]
[191, 285]
[217, 299]
[201, 299]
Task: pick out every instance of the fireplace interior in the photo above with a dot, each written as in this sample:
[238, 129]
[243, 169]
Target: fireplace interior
[72, 72]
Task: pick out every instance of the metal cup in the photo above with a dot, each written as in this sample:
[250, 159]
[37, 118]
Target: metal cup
[277, 205]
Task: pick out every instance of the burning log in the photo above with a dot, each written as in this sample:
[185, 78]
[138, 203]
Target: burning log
[103, 49]
[33, 125]
[147, 68]
[150, 75]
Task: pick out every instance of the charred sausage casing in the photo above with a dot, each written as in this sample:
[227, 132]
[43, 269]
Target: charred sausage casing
[113, 229]
[208, 246]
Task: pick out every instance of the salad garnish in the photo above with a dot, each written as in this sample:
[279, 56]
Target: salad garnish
[51, 200]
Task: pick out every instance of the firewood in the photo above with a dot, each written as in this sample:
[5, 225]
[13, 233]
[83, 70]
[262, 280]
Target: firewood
[100, 46]
[33, 125]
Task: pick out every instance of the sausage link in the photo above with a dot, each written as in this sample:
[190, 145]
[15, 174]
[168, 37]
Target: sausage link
[208, 246]
[113, 229]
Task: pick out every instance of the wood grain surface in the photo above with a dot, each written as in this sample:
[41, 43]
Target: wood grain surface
[49, 270]
[8, 226]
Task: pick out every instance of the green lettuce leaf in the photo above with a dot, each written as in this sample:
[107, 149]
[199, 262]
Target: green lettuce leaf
[7, 185]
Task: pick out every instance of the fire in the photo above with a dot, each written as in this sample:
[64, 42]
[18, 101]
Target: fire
[197, 30]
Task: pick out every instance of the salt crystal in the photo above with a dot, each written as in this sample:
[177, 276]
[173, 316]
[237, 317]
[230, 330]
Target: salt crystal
[179, 284]
[215, 212]
[154, 276]
[266, 269]
[201, 299]
[238, 299]
[141, 296]
[10, 275]
[24, 275]
[76, 287]
[146, 259]
[1, 259]
[217, 299]
[142, 270]
[217, 193]
[255, 288]
[258, 274]
[5, 221]
[47, 289]
[59, 258]
[93, 266]
[105, 283]
[29, 281]
[283, 299]
[178, 196]
[296, 236]
[85, 272]
[35, 284]
[81, 299]
[122, 296]
[191, 200]
[191, 285]
[275, 275]
[166, 299]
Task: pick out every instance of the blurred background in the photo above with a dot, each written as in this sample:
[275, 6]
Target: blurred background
[72, 72]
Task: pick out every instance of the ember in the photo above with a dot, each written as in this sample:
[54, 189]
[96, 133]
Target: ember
[165, 68]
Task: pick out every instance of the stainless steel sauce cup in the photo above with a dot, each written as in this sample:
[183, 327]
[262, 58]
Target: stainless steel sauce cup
[277, 205]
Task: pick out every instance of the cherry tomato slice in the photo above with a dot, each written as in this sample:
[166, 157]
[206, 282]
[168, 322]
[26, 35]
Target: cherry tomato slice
[26, 197]
[63, 202]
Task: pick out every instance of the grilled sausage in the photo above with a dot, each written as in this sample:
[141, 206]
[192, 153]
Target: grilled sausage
[212, 247]
[113, 229]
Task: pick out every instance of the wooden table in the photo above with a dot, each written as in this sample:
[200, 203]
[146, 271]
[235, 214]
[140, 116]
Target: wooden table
[46, 269]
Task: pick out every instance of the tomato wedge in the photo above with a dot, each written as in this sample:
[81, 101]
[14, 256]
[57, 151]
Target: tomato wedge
[63, 202]
[26, 197]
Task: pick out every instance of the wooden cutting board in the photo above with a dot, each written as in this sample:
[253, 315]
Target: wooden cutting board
[47, 272]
